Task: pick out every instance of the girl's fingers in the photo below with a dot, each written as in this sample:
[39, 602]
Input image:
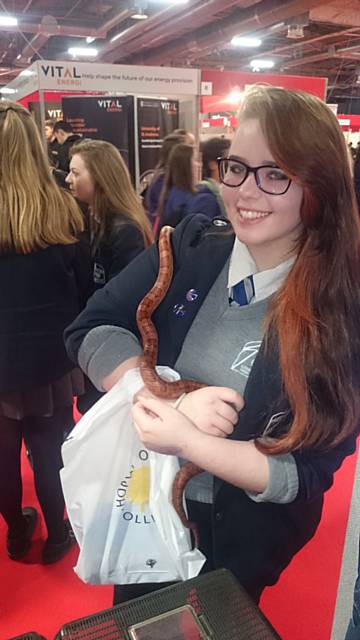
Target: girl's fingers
[228, 412]
[154, 405]
[214, 431]
[142, 415]
[231, 396]
[223, 424]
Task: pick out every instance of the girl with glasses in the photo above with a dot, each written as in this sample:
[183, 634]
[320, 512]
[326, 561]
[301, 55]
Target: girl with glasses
[265, 311]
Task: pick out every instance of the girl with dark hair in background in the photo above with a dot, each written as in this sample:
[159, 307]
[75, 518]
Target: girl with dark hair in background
[182, 194]
[152, 196]
[265, 311]
[189, 137]
[211, 150]
[44, 283]
[178, 186]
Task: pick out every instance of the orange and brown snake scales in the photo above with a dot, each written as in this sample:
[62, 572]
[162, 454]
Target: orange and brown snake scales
[157, 385]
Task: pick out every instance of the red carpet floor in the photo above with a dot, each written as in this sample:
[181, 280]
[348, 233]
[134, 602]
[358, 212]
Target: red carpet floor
[300, 606]
[35, 597]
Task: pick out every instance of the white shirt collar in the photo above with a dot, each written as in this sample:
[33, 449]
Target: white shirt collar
[266, 282]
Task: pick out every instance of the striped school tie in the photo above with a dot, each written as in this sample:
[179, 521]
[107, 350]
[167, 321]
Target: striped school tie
[243, 292]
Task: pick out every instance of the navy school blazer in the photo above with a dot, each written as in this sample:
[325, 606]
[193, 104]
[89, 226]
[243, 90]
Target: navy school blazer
[254, 540]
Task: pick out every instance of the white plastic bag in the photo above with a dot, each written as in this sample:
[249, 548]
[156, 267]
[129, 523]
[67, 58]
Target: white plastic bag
[106, 479]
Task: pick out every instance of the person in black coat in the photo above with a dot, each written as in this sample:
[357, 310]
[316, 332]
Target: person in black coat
[118, 226]
[44, 283]
[52, 143]
[66, 138]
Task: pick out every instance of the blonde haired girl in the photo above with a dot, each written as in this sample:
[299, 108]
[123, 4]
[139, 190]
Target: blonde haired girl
[44, 279]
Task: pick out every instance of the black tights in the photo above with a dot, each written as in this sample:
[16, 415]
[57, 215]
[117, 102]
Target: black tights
[44, 436]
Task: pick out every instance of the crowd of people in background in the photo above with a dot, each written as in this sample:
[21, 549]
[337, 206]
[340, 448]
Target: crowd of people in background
[184, 181]
[75, 224]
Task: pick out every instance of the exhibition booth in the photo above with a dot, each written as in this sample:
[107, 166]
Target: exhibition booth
[133, 107]
[350, 124]
[222, 90]
[221, 95]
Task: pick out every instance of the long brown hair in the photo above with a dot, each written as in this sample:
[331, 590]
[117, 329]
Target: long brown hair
[34, 211]
[178, 173]
[316, 313]
[113, 191]
[170, 141]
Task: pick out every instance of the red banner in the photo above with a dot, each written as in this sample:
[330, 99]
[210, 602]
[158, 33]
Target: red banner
[349, 121]
[221, 84]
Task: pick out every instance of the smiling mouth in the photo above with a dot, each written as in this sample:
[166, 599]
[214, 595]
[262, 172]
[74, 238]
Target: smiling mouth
[248, 214]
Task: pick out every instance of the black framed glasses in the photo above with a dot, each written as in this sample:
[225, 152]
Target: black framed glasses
[269, 178]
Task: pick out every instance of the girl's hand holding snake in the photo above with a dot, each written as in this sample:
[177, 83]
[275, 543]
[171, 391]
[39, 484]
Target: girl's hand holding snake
[143, 393]
[166, 430]
[214, 410]
[162, 428]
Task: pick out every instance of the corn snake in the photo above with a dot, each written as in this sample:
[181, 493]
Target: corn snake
[152, 381]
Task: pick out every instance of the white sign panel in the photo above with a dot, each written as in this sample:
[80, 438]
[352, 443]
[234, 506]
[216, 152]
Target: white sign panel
[84, 76]
[24, 84]
[206, 88]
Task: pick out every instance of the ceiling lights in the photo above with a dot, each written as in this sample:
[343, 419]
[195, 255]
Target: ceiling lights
[295, 26]
[139, 15]
[295, 32]
[8, 21]
[7, 90]
[83, 52]
[240, 41]
[235, 96]
[119, 35]
[261, 63]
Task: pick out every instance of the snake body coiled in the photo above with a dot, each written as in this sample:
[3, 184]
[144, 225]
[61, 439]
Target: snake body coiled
[157, 385]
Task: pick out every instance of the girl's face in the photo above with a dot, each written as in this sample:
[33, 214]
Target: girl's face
[49, 132]
[268, 224]
[80, 181]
